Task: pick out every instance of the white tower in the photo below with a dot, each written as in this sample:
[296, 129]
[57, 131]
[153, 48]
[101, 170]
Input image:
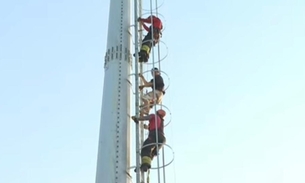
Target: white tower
[114, 148]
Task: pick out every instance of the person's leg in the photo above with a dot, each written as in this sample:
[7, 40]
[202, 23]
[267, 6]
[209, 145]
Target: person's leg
[159, 97]
[145, 153]
[161, 142]
[147, 98]
[145, 48]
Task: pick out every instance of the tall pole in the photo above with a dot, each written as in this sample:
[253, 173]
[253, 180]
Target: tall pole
[114, 141]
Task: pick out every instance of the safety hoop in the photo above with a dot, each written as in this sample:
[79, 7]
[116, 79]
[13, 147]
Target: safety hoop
[163, 47]
[160, 43]
[163, 74]
[166, 109]
[161, 4]
[154, 168]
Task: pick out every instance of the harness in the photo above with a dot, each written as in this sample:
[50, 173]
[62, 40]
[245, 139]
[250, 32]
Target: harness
[156, 34]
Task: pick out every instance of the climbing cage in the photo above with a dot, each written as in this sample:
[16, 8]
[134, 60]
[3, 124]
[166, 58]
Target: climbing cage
[149, 53]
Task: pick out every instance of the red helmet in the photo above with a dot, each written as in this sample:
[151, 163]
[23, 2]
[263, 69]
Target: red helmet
[161, 112]
[152, 16]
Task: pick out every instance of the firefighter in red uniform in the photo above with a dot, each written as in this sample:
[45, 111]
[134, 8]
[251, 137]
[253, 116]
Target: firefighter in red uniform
[149, 149]
[154, 32]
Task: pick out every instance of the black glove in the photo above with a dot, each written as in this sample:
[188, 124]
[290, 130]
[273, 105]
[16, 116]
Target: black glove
[135, 119]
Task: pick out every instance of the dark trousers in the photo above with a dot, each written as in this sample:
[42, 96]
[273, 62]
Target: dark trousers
[149, 40]
[151, 150]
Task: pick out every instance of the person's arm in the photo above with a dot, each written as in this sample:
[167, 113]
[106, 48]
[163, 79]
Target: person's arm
[141, 20]
[143, 79]
[145, 27]
[147, 20]
[145, 85]
[144, 118]
[137, 119]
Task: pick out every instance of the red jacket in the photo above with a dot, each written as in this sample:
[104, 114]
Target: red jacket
[156, 22]
[152, 122]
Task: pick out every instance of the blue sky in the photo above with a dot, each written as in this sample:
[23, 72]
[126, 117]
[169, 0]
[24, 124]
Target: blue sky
[236, 95]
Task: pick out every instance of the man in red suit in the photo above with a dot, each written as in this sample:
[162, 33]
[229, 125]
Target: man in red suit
[152, 37]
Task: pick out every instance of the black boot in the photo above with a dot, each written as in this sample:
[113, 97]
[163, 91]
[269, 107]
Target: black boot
[144, 167]
[143, 56]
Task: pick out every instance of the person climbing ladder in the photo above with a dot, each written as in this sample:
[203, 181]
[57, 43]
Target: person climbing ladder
[154, 33]
[149, 149]
[155, 95]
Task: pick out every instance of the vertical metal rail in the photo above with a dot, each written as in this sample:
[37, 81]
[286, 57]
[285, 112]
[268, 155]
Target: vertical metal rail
[163, 161]
[159, 63]
[154, 92]
[140, 33]
[136, 28]
[158, 43]
[139, 69]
